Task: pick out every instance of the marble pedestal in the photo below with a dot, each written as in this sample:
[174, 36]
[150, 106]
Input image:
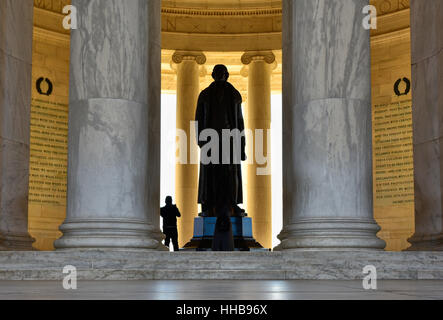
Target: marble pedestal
[204, 228]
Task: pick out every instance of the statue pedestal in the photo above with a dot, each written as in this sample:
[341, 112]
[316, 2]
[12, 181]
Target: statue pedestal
[204, 228]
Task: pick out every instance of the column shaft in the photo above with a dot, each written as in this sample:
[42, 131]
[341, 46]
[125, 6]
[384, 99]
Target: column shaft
[327, 149]
[186, 175]
[427, 95]
[259, 194]
[16, 19]
[114, 127]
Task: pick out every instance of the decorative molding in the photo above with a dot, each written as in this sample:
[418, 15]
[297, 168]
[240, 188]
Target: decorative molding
[221, 12]
[52, 36]
[267, 56]
[392, 22]
[383, 6]
[196, 56]
[57, 6]
[399, 35]
[218, 42]
[52, 5]
[389, 6]
[49, 20]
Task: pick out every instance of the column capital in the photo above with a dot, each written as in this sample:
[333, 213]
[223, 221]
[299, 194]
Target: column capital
[249, 56]
[180, 55]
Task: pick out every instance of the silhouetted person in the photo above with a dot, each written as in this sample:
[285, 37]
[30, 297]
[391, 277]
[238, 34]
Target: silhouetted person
[169, 214]
[220, 184]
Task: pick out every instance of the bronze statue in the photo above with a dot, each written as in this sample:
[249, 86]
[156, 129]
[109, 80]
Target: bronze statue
[220, 184]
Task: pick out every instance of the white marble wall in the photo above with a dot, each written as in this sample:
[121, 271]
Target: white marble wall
[16, 22]
[327, 127]
[427, 78]
[114, 127]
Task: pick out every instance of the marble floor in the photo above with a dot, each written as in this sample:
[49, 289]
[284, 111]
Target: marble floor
[222, 290]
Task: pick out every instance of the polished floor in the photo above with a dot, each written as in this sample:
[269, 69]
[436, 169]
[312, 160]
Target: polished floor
[221, 290]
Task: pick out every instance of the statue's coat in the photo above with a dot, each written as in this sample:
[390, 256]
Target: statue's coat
[219, 107]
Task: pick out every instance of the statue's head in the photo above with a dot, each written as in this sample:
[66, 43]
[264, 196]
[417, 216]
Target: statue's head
[220, 73]
[168, 200]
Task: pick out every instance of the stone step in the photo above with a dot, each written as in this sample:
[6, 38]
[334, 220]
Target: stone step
[143, 274]
[102, 264]
[209, 274]
[339, 257]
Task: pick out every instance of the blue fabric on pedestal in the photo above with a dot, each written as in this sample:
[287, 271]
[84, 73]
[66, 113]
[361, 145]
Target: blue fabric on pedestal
[204, 227]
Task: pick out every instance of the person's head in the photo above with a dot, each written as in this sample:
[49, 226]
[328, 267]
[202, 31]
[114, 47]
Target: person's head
[168, 200]
[220, 73]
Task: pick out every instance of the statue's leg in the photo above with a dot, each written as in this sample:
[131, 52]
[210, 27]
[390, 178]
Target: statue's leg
[239, 212]
[207, 211]
[223, 236]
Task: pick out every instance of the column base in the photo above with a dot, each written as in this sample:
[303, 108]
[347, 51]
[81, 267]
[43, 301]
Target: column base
[426, 243]
[331, 234]
[109, 234]
[16, 242]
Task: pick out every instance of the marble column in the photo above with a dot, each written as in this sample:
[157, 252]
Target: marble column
[186, 174]
[327, 177]
[427, 95]
[114, 127]
[16, 20]
[258, 192]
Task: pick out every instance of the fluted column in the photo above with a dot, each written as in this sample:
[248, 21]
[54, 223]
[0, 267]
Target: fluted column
[114, 127]
[186, 172]
[259, 195]
[16, 20]
[327, 178]
[427, 95]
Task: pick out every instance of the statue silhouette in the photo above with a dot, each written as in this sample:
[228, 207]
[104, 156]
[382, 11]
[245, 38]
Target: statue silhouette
[220, 184]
